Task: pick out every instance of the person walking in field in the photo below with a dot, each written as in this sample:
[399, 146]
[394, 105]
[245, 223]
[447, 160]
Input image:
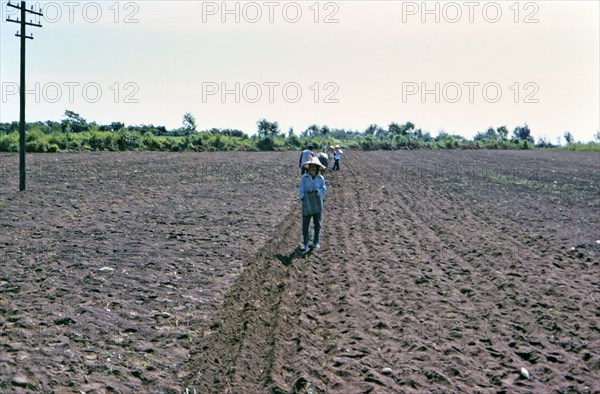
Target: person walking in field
[304, 157]
[324, 159]
[337, 155]
[330, 156]
[311, 191]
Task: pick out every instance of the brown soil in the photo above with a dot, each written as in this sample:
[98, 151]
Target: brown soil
[439, 272]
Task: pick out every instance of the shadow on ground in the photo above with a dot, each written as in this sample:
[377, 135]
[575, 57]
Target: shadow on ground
[294, 254]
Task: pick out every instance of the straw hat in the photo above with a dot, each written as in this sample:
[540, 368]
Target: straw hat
[315, 161]
[336, 147]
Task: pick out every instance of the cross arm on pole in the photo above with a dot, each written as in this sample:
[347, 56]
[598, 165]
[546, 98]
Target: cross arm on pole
[23, 36]
[34, 12]
[18, 7]
[26, 23]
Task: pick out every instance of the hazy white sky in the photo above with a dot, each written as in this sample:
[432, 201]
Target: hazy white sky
[456, 66]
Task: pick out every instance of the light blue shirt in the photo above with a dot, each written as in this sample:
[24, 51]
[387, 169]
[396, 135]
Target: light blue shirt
[305, 156]
[308, 182]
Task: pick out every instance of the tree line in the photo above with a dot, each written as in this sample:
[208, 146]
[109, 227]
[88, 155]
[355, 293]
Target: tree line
[74, 133]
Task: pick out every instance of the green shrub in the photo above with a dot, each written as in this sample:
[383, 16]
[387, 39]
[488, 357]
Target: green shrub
[151, 142]
[578, 146]
[37, 146]
[265, 144]
[293, 142]
[128, 141]
[34, 135]
[9, 142]
[95, 141]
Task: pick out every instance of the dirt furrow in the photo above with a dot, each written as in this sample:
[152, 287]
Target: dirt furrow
[238, 354]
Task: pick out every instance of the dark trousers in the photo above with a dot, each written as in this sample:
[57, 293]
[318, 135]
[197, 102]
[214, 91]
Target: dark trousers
[336, 165]
[306, 224]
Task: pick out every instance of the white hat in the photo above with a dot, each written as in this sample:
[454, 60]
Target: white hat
[315, 161]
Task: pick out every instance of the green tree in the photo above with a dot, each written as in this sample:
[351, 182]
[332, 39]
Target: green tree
[381, 133]
[568, 137]
[407, 128]
[114, 126]
[394, 128]
[311, 131]
[489, 135]
[267, 129]
[523, 133]
[73, 123]
[189, 123]
[419, 134]
[371, 129]
[234, 133]
[293, 141]
[502, 132]
[74, 117]
[544, 142]
[53, 126]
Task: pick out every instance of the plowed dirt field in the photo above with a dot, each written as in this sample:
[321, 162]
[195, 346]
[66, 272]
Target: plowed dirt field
[440, 271]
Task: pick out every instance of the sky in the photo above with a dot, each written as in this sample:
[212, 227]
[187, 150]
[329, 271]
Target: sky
[460, 67]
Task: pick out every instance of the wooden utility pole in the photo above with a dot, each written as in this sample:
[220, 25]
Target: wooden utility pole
[23, 36]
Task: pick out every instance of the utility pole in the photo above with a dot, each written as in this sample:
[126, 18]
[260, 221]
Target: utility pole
[23, 36]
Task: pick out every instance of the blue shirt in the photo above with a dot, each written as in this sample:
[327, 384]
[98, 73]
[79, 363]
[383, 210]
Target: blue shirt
[305, 156]
[308, 182]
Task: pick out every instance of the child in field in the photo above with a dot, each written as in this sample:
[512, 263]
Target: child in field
[311, 191]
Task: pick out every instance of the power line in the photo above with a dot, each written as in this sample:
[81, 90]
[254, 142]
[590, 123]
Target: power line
[23, 35]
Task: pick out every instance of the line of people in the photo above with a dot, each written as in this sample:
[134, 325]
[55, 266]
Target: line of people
[312, 189]
[329, 154]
